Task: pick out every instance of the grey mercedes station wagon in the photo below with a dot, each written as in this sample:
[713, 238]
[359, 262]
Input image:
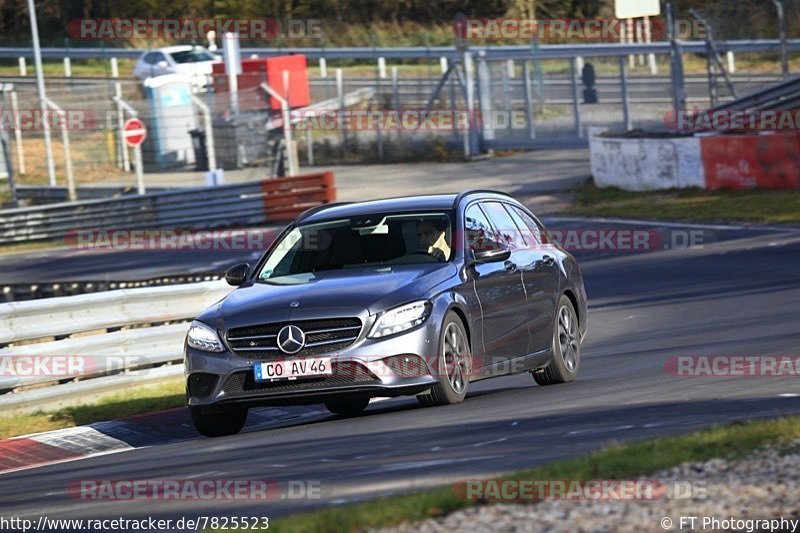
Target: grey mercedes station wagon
[405, 296]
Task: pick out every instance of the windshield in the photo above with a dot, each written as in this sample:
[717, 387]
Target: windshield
[194, 55]
[372, 240]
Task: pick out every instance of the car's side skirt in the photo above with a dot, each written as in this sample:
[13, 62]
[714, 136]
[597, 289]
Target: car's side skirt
[517, 365]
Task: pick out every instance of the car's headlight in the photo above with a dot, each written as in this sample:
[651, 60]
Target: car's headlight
[203, 337]
[400, 319]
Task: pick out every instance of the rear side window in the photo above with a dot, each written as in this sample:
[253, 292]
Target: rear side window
[509, 232]
[479, 232]
[534, 231]
[154, 57]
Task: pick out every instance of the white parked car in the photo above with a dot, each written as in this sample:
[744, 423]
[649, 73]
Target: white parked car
[192, 61]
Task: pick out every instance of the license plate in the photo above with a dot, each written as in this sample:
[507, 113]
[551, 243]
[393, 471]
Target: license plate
[294, 368]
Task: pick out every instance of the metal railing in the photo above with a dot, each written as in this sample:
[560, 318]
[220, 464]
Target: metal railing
[254, 203]
[113, 352]
[548, 51]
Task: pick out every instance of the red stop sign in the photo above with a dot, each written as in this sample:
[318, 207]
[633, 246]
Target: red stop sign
[133, 132]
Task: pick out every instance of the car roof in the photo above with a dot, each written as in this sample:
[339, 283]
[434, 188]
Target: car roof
[177, 48]
[431, 202]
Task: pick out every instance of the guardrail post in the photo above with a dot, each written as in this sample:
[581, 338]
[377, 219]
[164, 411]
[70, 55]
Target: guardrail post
[67, 68]
[23, 67]
[378, 134]
[485, 92]
[309, 147]
[676, 57]
[323, 68]
[512, 71]
[526, 75]
[340, 97]
[623, 80]
[17, 132]
[631, 40]
[207, 125]
[126, 161]
[576, 107]
[640, 38]
[291, 152]
[782, 37]
[63, 119]
[396, 95]
[382, 68]
[648, 38]
[443, 64]
[471, 144]
[506, 89]
[731, 62]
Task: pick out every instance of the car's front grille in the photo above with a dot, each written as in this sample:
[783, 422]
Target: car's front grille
[344, 374]
[322, 336]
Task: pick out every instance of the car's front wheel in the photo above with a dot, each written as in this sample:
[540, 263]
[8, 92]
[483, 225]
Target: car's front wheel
[218, 421]
[347, 406]
[454, 363]
[566, 347]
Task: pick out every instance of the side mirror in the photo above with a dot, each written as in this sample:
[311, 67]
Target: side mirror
[236, 275]
[490, 256]
[162, 64]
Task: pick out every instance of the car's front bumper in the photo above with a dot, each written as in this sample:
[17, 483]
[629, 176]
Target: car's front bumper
[400, 365]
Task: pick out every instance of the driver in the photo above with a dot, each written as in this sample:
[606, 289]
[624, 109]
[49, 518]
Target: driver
[431, 236]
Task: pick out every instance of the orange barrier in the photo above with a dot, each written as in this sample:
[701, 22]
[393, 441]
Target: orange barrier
[769, 161]
[285, 198]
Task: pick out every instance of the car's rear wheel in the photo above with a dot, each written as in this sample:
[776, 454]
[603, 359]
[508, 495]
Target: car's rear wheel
[218, 421]
[347, 406]
[566, 347]
[454, 364]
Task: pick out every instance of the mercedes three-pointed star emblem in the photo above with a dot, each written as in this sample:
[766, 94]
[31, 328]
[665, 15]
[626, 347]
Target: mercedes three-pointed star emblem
[291, 339]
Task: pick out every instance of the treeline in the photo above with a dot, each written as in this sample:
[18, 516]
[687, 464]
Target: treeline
[379, 22]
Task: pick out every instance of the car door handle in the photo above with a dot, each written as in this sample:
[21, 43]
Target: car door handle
[548, 260]
[511, 266]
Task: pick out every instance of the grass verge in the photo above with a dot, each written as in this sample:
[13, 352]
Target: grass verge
[754, 206]
[118, 405]
[617, 461]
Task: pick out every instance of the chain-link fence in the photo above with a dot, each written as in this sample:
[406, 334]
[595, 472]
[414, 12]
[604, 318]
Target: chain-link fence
[505, 102]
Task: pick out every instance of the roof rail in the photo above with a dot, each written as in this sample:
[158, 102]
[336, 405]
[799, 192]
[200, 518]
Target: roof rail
[316, 209]
[469, 192]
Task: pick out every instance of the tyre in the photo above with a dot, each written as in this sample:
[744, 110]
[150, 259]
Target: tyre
[347, 406]
[213, 421]
[566, 347]
[454, 364]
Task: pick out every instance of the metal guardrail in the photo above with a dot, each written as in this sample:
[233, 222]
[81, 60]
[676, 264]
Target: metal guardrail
[550, 51]
[780, 95]
[115, 351]
[64, 316]
[101, 355]
[51, 194]
[18, 292]
[254, 203]
[83, 392]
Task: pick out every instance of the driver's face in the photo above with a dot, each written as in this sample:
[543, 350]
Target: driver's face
[427, 233]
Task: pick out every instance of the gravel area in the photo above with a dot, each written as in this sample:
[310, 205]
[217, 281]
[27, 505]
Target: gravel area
[765, 485]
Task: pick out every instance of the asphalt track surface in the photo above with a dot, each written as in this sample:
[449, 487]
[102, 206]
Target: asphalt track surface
[738, 294]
